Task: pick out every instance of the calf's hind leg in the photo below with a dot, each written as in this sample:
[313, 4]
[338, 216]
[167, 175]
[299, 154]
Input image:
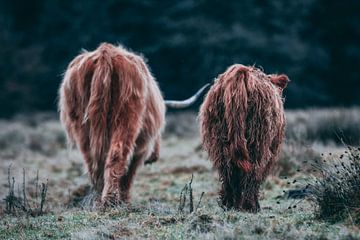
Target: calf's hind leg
[227, 191]
[246, 191]
[238, 191]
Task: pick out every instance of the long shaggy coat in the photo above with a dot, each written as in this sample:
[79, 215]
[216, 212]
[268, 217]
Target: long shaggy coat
[113, 110]
[242, 127]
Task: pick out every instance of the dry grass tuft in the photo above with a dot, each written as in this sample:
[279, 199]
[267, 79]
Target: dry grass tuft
[187, 190]
[17, 203]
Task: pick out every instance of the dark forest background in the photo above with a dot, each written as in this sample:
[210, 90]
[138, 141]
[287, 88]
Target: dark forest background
[187, 43]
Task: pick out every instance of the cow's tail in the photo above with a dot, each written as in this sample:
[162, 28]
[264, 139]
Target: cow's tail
[187, 102]
[98, 112]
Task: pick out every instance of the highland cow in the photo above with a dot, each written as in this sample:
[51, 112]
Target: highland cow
[242, 127]
[113, 111]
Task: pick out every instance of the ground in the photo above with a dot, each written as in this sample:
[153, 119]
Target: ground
[37, 142]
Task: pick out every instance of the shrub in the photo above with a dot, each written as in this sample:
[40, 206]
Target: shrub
[336, 190]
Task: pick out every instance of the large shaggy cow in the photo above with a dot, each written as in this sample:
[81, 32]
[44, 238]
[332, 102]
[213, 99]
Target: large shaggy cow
[113, 110]
[242, 127]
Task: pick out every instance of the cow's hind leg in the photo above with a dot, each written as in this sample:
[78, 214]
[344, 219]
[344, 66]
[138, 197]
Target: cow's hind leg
[123, 141]
[156, 152]
[127, 180]
[144, 151]
[95, 166]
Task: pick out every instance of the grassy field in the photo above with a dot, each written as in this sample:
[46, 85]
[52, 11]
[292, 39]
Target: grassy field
[38, 143]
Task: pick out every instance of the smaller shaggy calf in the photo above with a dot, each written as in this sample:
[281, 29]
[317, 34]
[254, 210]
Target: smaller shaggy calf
[242, 127]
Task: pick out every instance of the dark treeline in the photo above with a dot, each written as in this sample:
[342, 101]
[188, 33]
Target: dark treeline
[187, 43]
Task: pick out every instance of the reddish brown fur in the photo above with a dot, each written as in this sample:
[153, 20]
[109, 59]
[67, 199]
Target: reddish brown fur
[242, 126]
[112, 109]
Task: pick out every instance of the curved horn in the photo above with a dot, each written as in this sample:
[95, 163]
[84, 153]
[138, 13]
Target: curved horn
[187, 102]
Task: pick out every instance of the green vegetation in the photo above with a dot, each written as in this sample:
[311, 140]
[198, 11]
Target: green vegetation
[154, 209]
